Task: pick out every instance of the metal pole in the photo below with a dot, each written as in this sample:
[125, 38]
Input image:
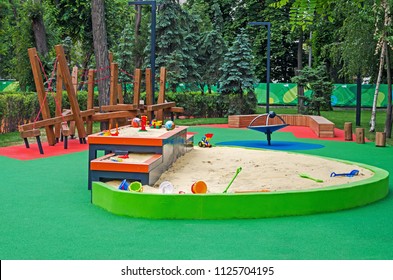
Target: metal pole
[268, 69]
[267, 62]
[358, 99]
[153, 5]
[153, 49]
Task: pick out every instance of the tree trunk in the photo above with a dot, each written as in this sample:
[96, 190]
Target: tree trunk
[388, 122]
[137, 32]
[300, 89]
[40, 33]
[374, 108]
[14, 10]
[85, 69]
[101, 52]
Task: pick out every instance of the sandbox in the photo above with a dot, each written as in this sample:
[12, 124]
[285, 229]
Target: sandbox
[269, 185]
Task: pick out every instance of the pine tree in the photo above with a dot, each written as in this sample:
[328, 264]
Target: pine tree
[124, 52]
[238, 75]
[175, 43]
[238, 71]
[211, 52]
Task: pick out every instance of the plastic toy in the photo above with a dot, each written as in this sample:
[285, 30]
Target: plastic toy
[156, 124]
[123, 185]
[199, 187]
[350, 174]
[166, 187]
[303, 175]
[170, 125]
[135, 187]
[234, 177]
[143, 123]
[205, 141]
[116, 132]
[136, 122]
[123, 156]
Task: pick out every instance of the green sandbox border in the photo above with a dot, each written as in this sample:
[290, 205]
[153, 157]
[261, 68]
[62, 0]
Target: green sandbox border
[243, 206]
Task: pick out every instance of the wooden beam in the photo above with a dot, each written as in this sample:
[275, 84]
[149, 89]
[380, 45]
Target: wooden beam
[176, 110]
[30, 133]
[119, 107]
[161, 94]
[39, 84]
[90, 100]
[120, 96]
[70, 90]
[113, 85]
[59, 100]
[149, 92]
[114, 115]
[55, 120]
[137, 86]
[161, 106]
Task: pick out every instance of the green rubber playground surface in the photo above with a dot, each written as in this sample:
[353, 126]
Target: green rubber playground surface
[46, 214]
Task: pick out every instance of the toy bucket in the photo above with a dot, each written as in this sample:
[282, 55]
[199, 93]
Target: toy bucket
[199, 187]
[135, 187]
[166, 187]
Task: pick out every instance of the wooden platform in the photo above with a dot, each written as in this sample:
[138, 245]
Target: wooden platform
[145, 168]
[320, 125]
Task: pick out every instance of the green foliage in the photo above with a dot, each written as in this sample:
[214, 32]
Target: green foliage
[20, 108]
[238, 70]
[124, 53]
[176, 36]
[317, 80]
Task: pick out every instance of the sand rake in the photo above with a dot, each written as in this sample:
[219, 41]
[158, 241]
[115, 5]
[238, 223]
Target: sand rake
[233, 179]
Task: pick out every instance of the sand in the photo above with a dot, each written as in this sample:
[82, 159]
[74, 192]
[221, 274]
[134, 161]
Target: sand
[261, 170]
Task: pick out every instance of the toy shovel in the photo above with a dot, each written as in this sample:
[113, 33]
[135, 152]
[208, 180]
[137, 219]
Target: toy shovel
[303, 175]
[234, 177]
[350, 174]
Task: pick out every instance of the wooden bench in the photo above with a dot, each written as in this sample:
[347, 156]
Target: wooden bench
[321, 126]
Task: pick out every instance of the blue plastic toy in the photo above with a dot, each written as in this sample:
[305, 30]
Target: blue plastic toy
[350, 174]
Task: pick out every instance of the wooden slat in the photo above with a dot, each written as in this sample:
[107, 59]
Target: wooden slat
[39, 84]
[59, 100]
[119, 107]
[114, 115]
[55, 120]
[90, 100]
[156, 107]
[70, 90]
[149, 92]
[137, 86]
[176, 110]
[30, 133]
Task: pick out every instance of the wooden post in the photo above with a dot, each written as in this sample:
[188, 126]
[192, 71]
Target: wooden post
[137, 86]
[113, 88]
[380, 139]
[74, 78]
[39, 84]
[360, 135]
[90, 100]
[161, 94]
[120, 96]
[113, 85]
[71, 93]
[59, 101]
[348, 131]
[149, 93]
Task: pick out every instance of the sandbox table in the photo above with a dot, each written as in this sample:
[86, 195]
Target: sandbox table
[161, 148]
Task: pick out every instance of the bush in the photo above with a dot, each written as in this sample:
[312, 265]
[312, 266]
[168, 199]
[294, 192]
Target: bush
[20, 108]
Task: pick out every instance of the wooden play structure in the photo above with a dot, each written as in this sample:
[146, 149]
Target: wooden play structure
[116, 113]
